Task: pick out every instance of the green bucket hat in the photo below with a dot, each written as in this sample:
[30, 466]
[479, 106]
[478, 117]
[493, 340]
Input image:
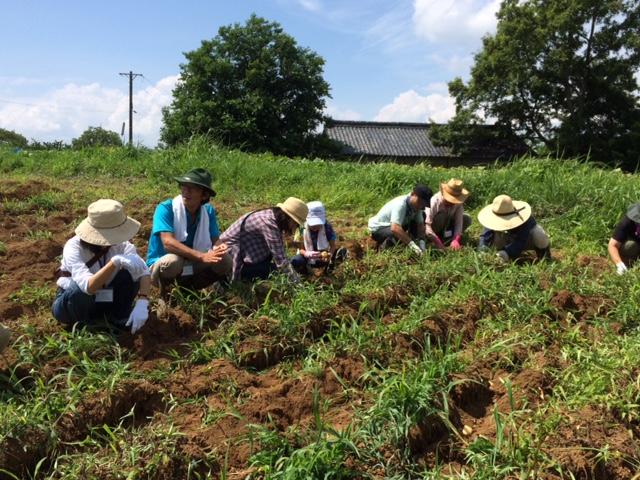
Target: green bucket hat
[633, 212]
[197, 176]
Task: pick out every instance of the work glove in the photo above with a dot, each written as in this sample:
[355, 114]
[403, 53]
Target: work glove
[503, 256]
[292, 275]
[133, 264]
[415, 248]
[621, 268]
[311, 254]
[139, 315]
[422, 245]
[438, 242]
[455, 243]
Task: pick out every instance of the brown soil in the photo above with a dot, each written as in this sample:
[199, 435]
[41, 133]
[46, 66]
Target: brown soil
[108, 408]
[566, 304]
[20, 455]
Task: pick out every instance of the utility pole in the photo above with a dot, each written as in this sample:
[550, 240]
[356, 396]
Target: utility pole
[131, 76]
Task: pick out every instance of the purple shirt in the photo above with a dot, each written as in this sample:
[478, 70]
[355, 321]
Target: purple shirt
[260, 239]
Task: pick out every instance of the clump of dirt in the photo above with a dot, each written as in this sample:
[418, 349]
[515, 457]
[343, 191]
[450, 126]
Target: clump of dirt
[12, 190]
[108, 408]
[431, 435]
[261, 352]
[576, 444]
[19, 456]
[169, 328]
[581, 307]
[599, 265]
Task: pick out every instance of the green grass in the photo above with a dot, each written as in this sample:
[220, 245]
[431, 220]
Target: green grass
[419, 330]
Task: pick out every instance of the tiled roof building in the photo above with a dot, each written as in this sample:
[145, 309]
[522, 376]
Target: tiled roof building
[407, 143]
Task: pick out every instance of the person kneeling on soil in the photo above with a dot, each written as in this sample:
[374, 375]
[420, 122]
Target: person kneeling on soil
[402, 220]
[256, 240]
[624, 244]
[101, 273]
[511, 229]
[319, 239]
[445, 220]
[184, 245]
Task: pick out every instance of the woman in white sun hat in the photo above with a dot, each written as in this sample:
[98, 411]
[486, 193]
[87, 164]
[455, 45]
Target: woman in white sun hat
[319, 238]
[101, 274]
[445, 220]
[510, 228]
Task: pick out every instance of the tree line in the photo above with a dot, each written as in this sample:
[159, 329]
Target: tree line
[562, 75]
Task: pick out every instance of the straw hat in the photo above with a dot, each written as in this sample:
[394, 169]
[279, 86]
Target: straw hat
[317, 214]
[107, 224]
[453, 191]
[504, 214]
[295, 208]
[5, 335]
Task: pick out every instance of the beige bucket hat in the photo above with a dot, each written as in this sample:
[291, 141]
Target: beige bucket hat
[107, 224]
[453, 191]
[504, 214]
[295, 208]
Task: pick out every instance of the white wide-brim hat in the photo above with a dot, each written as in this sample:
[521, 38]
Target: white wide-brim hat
[107, 224]
[504, 214]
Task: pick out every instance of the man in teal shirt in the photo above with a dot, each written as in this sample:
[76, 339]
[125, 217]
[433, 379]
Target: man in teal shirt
[401, 220]
[184, 243]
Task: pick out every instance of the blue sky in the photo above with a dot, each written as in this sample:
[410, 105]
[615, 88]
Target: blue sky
[385, 60]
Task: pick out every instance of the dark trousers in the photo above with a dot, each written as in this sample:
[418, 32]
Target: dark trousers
[259, 270]
[72, 305]
[384, 237]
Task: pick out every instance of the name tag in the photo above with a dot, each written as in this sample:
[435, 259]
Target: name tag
[104, 295]
[448, 233]
[187, 270]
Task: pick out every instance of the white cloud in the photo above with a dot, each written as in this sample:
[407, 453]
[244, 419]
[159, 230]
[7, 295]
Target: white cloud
[455, 22]
[311, 5]
[65, 113]
[338, 113]
[410, 106]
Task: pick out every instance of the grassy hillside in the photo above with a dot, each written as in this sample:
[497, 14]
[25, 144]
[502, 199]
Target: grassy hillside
[394, 367]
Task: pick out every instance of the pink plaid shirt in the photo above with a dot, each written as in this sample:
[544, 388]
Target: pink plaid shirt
[260, 239]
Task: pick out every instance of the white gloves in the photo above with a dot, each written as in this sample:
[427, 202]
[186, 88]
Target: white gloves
[621, 268]
[133, 264]
[311, 255]
[503, 256]
[415, 248]
[139, 315]
[423, 245]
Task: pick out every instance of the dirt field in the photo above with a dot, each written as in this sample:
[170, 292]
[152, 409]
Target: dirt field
[215, 403]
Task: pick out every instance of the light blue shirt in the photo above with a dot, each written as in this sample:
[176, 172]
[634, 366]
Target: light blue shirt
[396, 211]
[163, 222]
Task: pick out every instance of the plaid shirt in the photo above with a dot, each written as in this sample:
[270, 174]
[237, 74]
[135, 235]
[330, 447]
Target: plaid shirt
[260, 240]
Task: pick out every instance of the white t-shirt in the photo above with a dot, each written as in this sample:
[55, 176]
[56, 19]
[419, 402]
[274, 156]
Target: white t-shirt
[75, 257]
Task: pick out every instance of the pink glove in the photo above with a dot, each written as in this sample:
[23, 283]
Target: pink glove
[438, 242]
[311, 255]
[455, 243]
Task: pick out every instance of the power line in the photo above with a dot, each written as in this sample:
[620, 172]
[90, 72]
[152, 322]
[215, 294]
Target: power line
[131, 76]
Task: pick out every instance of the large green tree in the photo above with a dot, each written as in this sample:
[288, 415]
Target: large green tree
[12, 139]
[251, 87]
[96, 137]
[559, 74]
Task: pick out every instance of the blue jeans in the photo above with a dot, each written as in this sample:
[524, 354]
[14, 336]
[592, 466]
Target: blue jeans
[72, 305]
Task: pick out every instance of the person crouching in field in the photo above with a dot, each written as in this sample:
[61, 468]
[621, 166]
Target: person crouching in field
[184, 246]
[445, 220]
[624, 244]
[101, 273]
[402, 220]
[511, 229]
[319, 238]
[256, 240]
